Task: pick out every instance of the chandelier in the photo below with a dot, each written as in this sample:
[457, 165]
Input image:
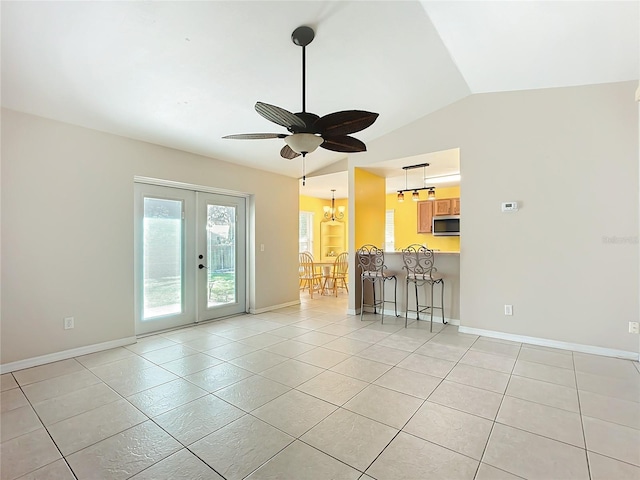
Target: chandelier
[330, 212]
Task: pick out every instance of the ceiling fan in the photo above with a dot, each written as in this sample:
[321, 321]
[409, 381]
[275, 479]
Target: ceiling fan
[309, 131]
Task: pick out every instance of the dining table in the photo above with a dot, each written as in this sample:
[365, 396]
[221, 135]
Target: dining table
[325, 267]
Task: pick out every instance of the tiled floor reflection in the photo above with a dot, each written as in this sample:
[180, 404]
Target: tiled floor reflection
[310, 392]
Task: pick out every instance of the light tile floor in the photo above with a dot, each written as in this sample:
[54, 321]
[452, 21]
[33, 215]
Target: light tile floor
[309, 392]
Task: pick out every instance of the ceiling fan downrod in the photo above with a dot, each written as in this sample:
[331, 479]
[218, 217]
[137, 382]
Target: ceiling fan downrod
[304, 79]
[303, 36]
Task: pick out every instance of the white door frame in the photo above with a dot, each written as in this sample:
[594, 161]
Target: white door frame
[205, 189]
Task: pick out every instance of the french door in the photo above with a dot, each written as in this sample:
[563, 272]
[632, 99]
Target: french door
[190, 256]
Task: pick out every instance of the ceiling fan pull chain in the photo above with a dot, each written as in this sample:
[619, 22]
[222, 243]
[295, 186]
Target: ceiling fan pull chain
[304, 178]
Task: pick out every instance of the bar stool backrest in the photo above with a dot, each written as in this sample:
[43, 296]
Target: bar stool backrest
[371, 261]
[418, 261]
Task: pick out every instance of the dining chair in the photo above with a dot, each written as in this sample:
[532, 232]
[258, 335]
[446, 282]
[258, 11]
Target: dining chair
[337, 275]
[309, 277]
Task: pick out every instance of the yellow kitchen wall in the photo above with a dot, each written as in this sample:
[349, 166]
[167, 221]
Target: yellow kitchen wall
[369, 208]
[315, 205]
[406, 221]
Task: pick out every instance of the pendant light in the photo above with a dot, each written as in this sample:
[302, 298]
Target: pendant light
[415, 196]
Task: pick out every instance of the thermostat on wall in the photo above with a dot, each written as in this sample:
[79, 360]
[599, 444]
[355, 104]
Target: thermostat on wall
[509, 206]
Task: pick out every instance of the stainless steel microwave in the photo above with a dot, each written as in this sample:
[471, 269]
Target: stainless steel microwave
[446, 225]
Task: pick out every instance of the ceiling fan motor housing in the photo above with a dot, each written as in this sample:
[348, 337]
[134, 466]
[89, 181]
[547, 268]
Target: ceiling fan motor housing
[309, 119]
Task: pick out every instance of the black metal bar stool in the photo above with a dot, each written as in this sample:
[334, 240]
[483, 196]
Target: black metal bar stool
[372, 270]
[419, 264]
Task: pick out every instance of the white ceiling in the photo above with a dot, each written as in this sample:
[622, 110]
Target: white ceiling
[184, 74]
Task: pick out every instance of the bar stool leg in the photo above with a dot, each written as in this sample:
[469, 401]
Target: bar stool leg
[442, 299]
[431, 309]
[361, 297]
[395, 296]
[406, 304]
[373, 287]
[382, 304]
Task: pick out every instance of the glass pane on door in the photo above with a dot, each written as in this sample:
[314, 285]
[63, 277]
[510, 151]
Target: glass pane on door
[162, 257]
[221, 247]
[221, 254]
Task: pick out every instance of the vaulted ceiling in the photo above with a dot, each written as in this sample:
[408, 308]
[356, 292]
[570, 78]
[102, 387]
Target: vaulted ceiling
[184, 74]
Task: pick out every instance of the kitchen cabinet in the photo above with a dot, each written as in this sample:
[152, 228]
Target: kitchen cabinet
[446, 206]
[425, 214]
[332, 240]
[455, 206]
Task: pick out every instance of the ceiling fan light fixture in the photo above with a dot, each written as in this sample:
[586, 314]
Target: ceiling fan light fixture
[303, 142]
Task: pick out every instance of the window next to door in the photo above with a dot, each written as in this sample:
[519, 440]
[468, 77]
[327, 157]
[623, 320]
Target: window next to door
[389, 231]
[305, 232]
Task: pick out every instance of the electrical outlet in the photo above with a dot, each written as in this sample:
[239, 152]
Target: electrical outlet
[508, 309]
[634, 327]
[68, 323]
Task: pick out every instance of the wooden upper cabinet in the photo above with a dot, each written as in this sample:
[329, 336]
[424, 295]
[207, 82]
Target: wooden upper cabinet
[455, 206]
[446, 206]
[425, 214]
[442, 206]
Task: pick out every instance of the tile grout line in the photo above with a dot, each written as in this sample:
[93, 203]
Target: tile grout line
[44, 427]
[493, 424]
[584, 436]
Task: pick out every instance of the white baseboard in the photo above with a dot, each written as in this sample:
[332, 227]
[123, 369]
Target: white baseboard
[575, 347]
[273, 307]
[65, 354]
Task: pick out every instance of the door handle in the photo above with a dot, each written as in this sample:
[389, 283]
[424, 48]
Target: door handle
[201, 266]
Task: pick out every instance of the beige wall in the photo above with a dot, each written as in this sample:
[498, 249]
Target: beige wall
[568, 260]
[67, 231]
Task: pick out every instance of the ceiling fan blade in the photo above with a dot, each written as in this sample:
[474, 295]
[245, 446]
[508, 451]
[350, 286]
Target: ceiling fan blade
[287, 153]
[279, 115]
[255, 136]
[344, 144]
[345, 122]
